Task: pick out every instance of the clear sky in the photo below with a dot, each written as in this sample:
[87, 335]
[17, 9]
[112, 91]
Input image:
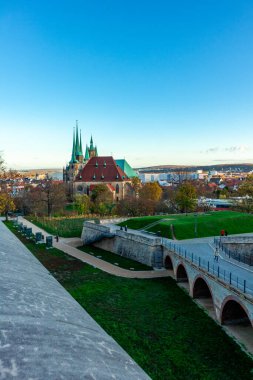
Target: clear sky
[156, 82]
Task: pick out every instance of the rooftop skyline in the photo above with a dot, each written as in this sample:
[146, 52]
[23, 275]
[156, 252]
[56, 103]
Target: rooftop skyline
[165, 83]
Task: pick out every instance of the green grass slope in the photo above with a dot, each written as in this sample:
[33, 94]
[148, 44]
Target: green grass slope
[208, 224]
[155, 321]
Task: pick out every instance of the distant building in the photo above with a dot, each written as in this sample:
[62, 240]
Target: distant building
[85, 171]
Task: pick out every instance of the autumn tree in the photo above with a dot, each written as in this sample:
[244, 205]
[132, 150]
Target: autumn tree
[185, 197]
[82, 203]
[45, 198]
[6, 203]
[102, 200]
[1, 166]
[246, 191]
[246, 187]
[53, 195]
[151, 191]
[6, 197]
[136, 185]
[101, 193]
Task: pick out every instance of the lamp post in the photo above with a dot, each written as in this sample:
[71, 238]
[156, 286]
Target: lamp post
[195, 225]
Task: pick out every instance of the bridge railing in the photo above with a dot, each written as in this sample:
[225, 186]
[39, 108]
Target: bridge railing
[241, 258]
[212, 267]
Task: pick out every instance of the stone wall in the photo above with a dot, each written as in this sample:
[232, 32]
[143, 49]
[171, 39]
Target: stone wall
[132, 244]
[239, 248]
[94, 232]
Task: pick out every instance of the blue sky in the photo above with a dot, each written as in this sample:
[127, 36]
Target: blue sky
[156, 82]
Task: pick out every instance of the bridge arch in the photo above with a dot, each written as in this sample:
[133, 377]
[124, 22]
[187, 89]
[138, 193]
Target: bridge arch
[234, 312]
[181, 273]
[168, 263]
[201, 288]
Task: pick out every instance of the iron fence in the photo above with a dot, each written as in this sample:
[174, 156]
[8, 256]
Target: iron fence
[215, 269]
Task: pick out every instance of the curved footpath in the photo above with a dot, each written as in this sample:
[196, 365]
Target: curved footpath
[66, 245]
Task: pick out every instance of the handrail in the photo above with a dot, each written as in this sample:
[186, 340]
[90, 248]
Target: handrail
[212, 268]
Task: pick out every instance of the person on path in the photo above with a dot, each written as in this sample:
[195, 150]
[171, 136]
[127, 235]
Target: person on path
[216, 254]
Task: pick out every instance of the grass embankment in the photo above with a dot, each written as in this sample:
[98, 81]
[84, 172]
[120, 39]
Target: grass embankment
[155, 321]
[208, 224]
[65, 227]
[113, 258]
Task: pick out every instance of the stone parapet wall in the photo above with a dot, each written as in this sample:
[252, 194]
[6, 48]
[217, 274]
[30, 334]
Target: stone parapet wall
[94, 232]
[236, 239]
[136, 246]
[242, 248]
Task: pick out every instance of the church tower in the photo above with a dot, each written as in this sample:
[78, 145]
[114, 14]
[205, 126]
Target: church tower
[78, 159]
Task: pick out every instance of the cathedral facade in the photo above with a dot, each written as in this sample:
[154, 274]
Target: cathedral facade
[85, 171]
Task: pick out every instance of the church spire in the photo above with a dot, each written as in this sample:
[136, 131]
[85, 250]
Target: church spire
[77, 146]
[73, 156]
[80, 145]
[87, 155]
[91, 143]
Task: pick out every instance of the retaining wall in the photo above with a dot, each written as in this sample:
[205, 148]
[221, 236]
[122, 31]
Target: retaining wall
[134, 245]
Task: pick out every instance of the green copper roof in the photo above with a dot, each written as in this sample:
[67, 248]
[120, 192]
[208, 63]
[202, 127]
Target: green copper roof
[124, 165]
[73, 156]
[87, 155]
[91, 144]
[80, 145]
[77, 147]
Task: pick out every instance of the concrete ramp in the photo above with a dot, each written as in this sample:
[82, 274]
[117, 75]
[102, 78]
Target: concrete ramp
[44, 332]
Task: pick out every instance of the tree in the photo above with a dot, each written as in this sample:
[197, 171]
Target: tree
[2, 168]
[6, 203]
[46, 198]
[151, 191]
[82, 203]
[246, 191]
[136, 185]
[186, 197]
[101, 193]
[53, 195]
[246, 187]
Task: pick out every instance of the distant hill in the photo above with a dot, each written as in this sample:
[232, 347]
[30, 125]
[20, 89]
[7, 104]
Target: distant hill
[246, 167]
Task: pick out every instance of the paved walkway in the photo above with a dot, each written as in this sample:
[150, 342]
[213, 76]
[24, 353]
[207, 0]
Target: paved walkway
[68, 245]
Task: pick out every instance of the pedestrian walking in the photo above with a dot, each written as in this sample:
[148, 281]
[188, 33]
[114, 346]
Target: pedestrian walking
[216, 254]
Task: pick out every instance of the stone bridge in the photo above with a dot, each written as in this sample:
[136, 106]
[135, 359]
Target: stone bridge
[230, 295]
[226, 287]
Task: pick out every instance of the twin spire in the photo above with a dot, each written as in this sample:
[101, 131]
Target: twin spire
[77, 149]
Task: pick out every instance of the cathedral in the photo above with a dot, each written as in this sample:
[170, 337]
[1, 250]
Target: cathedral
[85, 171]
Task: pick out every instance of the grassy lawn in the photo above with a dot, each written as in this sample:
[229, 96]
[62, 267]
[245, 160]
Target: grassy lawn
[208, 224]
[65, 227]
[112, 258]
[154, 320]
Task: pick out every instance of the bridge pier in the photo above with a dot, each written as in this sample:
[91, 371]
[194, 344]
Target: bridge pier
[229, 306]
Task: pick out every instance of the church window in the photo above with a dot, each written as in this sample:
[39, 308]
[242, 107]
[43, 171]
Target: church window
[80, 188]
[117, 189]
